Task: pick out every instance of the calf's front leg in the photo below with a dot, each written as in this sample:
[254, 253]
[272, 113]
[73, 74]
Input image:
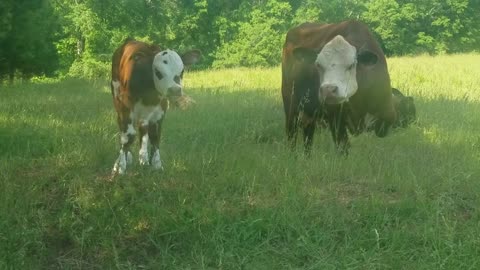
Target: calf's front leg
[127, 136]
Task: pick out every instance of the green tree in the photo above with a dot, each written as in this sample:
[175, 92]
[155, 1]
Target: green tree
[26, 38]
[259, 40]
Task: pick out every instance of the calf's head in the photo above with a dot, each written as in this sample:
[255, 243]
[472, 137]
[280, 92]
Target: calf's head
[168, 68]
[336, 64]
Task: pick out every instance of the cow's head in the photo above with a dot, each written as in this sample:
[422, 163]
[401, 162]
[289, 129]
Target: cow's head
[336, 64]
[168, 69]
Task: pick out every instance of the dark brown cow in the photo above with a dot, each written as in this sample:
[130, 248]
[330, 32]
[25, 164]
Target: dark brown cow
[335, 72]
[144, 79]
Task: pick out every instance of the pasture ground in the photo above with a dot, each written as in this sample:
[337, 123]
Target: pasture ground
[232, 195]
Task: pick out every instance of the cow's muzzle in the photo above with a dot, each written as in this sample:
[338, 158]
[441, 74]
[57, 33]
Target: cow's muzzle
[330, 94]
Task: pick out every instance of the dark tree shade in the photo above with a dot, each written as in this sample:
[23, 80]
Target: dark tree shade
[27, 36]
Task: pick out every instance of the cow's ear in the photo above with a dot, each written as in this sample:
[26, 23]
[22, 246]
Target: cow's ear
[305, 55]
[191, 57]
[367, 58]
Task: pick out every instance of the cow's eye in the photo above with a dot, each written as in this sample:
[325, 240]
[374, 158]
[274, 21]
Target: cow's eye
[181, 74]
[351, 66]
[158, 74]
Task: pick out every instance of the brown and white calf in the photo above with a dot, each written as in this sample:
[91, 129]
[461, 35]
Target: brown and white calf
[144, 79]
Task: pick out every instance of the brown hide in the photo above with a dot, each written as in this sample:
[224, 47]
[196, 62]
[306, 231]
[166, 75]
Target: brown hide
[132, 67]
[301, 79]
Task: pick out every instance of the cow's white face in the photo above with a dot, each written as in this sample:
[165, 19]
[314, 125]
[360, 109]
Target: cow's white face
[337, 68]
[168, 73]
[337, 64]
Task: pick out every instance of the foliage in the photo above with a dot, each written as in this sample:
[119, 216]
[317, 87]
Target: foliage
[47, 37]
[259, 40]
[27, 33]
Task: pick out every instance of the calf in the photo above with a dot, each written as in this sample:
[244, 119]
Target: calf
[144, 79]
[336, 72]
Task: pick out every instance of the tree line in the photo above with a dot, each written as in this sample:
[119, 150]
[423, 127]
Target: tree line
[77, 37]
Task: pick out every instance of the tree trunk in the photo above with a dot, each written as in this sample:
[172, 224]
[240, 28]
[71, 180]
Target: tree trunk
[80, 46]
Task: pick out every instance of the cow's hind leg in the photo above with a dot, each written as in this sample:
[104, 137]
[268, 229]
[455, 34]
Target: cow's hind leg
[127, 136]
[154, 132]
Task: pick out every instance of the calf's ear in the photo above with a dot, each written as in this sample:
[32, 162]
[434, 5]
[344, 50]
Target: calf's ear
[191, 57]
[367, 57]
[305, 55]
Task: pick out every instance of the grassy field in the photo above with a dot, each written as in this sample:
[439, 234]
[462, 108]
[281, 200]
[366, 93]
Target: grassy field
[232, 195]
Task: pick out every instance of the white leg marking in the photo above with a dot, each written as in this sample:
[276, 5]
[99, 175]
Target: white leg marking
[156, 161]
[143, 153]
[129, 158]
[116, 87]
[124, 136]
[131, 130]
[120, 166]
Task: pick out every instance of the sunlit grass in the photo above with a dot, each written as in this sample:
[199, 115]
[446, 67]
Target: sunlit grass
[233, 196]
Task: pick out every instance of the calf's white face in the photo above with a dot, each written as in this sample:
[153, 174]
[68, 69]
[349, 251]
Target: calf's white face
[167, 73]
[336, 64]
[168, 69]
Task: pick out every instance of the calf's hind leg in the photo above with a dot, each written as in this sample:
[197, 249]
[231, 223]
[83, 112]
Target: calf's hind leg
[154, 132]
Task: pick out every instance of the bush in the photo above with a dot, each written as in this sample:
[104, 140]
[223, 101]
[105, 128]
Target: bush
[259, 41]
[90, 69]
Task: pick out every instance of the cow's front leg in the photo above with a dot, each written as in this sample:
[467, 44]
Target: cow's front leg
[143, 155]
[308, 125]
[127, 136]
[338, 128]
[154, 132]
[292, 128]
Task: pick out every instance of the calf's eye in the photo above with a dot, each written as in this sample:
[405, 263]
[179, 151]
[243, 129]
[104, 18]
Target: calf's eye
[158, 74]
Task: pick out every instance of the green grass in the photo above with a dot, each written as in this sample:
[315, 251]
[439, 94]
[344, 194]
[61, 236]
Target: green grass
[232, 195]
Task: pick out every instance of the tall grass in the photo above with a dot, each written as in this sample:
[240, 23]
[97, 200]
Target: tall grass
[232, 195]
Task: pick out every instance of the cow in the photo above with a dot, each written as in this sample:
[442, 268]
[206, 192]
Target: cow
[338, 73]
[145, 78]
[405, 108]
